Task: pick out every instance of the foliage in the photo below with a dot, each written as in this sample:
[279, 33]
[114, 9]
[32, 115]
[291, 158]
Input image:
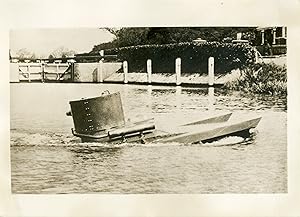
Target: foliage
[103, 46]
[24, 54]
[262, 78]
[167, 35]
[194, 56]
[62, 52]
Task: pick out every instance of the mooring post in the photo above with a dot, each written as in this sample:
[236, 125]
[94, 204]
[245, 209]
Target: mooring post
[125, 70]
[149, 70]
[100, 71]
[178, 71]
[211, 68]
[101, 52]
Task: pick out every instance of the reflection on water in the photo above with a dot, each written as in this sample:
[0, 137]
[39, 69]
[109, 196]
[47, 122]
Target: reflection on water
[46, 158]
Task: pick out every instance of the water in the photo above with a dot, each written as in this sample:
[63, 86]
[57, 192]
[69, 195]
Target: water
[46, 158]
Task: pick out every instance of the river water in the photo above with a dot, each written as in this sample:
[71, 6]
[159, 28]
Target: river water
[46, 158]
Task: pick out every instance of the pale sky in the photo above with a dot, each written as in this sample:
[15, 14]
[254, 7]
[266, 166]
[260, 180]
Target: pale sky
[44, 41]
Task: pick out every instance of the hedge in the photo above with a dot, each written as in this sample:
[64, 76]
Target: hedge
[194, 56]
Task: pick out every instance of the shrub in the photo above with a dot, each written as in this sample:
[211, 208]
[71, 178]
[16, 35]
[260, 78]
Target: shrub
[194, 56]
[262, 78]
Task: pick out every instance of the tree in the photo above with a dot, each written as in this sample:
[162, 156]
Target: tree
[24, 53]
[62, 51]
[51, 57]
[164, 35]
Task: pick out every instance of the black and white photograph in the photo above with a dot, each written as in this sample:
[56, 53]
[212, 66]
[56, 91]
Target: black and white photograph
[149, 110]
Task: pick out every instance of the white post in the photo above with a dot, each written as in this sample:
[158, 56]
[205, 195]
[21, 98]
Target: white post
[211, 67]
[100, 71]
[101, 53]
[274, 35]
[283, 32]
[125, 70]
[262, 37]
[149, 70]
[178, 71]
[256, 55]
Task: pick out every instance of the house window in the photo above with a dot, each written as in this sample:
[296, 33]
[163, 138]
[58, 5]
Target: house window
[279, 32]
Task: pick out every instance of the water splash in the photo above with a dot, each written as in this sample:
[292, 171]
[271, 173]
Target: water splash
[231, 140]
[33, 139]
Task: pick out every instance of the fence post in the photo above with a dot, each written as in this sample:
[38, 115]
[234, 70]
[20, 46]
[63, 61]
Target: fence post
[57, 71]
[149, 70]
[100, 71]
[28, 71]
[43, 71]
[125, 70]
[72, 70]
[178, 70]
[211, 68]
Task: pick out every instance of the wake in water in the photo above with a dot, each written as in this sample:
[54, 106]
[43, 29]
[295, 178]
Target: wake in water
[56, 139]
[33, 139]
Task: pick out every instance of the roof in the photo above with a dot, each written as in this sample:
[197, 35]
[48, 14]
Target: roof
[265, 28]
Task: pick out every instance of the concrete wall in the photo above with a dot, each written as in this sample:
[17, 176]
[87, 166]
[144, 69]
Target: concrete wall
[87, 72]
[84, 72]
[110, 68]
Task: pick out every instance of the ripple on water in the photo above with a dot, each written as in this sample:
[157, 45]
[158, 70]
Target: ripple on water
[47, 158]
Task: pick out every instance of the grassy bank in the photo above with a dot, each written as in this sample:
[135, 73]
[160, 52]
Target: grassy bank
[261, 78]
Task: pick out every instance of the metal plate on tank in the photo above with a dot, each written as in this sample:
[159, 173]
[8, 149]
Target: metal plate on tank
[95, 114]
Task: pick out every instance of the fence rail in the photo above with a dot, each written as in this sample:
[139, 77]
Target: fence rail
[44, 72]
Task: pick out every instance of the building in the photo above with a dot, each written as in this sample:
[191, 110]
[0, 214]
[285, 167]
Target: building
[271, 40]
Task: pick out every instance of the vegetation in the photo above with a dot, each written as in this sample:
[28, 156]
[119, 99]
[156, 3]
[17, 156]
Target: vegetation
[262, 78]
[194, 56]
[61, 52]
[24, 53]
[167, 35]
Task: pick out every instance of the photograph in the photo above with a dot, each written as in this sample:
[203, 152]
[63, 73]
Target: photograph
[149, 110]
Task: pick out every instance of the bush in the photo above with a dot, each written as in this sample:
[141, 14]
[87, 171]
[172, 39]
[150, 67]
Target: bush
[194, 56]
[262, 78]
